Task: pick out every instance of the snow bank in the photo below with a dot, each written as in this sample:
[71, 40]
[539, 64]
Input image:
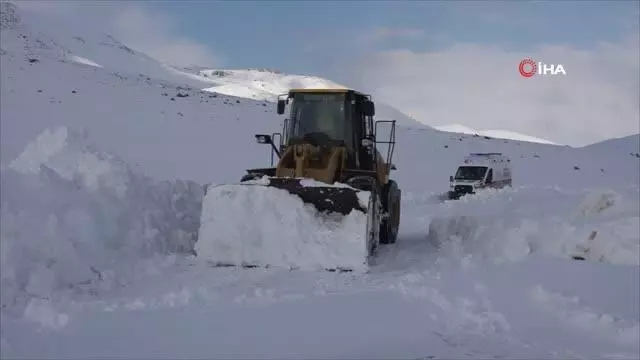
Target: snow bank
[72, 214]
[509, 225]
[256, 225]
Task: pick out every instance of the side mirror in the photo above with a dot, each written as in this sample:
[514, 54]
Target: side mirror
[264, 139]
[393, 167]
[369, 109]
[281, 105]
[450, 178]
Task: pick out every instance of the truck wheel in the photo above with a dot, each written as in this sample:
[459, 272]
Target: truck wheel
[391, 200]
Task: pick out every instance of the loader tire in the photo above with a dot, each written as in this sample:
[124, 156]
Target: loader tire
[391, 199]
[373, 222]
[375, 209]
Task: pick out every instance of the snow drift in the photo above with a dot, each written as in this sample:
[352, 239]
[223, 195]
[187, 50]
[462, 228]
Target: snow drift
[509, 225]
[251, 224]
[72, 214]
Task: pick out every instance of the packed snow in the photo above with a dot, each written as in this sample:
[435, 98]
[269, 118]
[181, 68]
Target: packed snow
[282, 231]
[102, 181]
[511, 225]
[71, 215]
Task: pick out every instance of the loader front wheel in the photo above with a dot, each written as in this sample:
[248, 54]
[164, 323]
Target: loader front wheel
[391, 198]
[374, 212]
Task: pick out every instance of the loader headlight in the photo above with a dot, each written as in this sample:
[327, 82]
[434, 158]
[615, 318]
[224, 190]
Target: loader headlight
[366, 142]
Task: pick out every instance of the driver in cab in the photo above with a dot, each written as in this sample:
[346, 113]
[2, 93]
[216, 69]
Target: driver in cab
[329, 120]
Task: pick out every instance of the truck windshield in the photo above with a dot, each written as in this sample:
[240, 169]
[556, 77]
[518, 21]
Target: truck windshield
[319, 113]
[470, 173]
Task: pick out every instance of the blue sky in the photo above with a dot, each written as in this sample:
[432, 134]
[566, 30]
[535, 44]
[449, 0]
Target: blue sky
[292, 36]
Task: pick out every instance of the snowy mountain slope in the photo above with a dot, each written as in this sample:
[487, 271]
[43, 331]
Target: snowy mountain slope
[157, 124]
[193, 127]
[152, 121]
[264, 84]
[426, 158]
[201, 127]
[47, 37]
[86, 271]
[35, 35]
[620, 146]
[500, 134]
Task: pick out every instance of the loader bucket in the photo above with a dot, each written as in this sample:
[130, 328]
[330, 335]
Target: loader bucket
[290, 223]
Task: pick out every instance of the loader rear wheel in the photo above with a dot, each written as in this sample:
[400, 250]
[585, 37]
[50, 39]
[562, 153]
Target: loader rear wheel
[391, 198]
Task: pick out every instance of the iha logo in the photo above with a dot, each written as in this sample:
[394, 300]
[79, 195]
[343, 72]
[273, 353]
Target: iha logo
[528, 68]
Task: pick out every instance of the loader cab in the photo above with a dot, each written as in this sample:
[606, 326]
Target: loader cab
[332, 117]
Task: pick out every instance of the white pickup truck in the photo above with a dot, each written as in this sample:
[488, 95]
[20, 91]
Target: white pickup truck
[479, 171]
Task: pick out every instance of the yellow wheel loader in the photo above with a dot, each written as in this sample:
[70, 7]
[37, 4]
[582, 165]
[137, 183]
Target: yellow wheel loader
[326, 204]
